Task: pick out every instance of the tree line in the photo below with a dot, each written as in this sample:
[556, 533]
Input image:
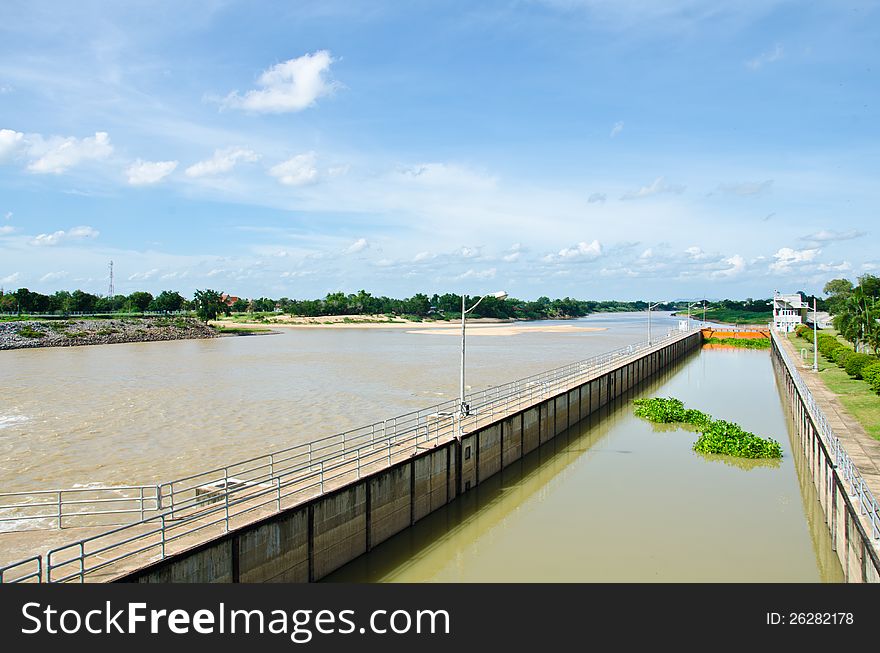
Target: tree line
[856, 310]
[211, 302]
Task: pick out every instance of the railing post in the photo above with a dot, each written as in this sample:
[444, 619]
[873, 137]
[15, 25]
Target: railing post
[82, 562]
[59, 511]
[226, 494]
[278, 495]
[142, 503]
[163, 535]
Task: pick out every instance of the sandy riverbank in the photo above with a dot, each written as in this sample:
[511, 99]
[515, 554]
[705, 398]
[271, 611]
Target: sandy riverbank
[480, 326]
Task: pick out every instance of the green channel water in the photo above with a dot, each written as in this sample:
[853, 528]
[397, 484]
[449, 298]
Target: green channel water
[619, 499]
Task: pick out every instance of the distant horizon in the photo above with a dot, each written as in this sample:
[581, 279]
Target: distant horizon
[554, 147]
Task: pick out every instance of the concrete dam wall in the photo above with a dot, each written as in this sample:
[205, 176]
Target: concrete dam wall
[847, 512]
[309, 541]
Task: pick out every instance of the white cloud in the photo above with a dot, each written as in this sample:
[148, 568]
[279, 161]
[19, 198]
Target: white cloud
[477, 274]
[357, 246]
[512, 257]
[616, 129]
[292, 85]
[143, 173]
[469, 252]
[59, 154]
[696, 253]
[76, 233]
[6, 229]
[766, 57]
[745, 189]
[845, 266]
[11, 142]
[53, 276]
[422, 256]
[223, 161]
[583, 250]
[786, 258]
[12, 278]
[597, 198]
[8, 215]
[658, 186]
[828, 236]
[736, 264]
[297, 171]
[144, 276]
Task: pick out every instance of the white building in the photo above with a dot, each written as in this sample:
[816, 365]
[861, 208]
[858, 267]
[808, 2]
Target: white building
[788, 312]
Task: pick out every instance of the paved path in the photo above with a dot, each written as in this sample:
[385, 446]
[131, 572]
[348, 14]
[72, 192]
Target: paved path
[861, 447]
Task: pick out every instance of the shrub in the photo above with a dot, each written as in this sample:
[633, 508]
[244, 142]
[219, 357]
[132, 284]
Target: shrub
[871, 375]
[856, 362]
[805, 332]
[29, 332]
[840, 355]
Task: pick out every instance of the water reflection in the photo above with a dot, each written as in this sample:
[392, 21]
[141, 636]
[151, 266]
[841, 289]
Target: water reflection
[616, 499]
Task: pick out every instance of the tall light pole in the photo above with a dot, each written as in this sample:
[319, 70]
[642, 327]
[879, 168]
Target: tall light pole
[463, 408]
[651, 306]
[690, 306]
[815, 339]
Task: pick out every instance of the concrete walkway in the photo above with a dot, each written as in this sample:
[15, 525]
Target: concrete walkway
[861, 447]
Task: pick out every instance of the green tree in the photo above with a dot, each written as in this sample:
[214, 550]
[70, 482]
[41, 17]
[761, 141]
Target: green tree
[838, 290]
[169, 301]
[140, 300]
[209, 305]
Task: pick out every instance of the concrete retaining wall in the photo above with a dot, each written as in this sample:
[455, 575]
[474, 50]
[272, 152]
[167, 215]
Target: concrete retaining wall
[312, 540]
[855, 550]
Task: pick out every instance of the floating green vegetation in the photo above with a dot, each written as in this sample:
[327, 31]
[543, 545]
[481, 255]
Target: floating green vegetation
[716, 435]
[745, 343]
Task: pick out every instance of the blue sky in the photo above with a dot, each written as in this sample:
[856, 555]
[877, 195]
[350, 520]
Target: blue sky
[593, 148]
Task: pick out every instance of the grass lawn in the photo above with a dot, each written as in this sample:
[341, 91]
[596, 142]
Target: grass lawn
[855, 395]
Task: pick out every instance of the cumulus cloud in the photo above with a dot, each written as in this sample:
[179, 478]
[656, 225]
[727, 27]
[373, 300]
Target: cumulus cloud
[8, 215]
[829, 236]
[11, 143]
[745, 189]
[12, 278]
[144, 173]
[469, 252]
[597, 198]
[845, 266]
[658, 186]
[513, 254]
[616, 129]
[6, 229]
[787, 258]
[59, 154]
[291, 85]
[357, 246]
[297, 171]
[222, 162]
[583, 250]
[76, 233]
[53, 276]
[735, 265]
[766, 57]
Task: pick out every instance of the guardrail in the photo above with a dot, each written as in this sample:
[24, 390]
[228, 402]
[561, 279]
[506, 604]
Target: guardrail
[87, 506]
[858, 489]
[29, 570]
[210, 503]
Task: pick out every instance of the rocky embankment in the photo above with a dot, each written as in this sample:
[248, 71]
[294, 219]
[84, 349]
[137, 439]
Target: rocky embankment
[69, 333]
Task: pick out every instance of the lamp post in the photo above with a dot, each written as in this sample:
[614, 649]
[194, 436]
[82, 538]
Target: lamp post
[690, 306]
[815, 339]
[463, 408]
[651, 306]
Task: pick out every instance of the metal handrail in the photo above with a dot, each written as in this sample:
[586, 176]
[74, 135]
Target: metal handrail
[21, 571]
[50, 508]
[187, 511]
[858, 489]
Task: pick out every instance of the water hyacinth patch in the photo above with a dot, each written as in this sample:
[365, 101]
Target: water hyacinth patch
[716, 435]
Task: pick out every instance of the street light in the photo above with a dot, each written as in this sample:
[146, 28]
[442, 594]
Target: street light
[463, 408]
[651, 306]
[815, 337]
[690, 306]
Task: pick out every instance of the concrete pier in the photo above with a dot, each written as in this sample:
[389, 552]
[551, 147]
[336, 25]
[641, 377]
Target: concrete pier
[308, 541]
